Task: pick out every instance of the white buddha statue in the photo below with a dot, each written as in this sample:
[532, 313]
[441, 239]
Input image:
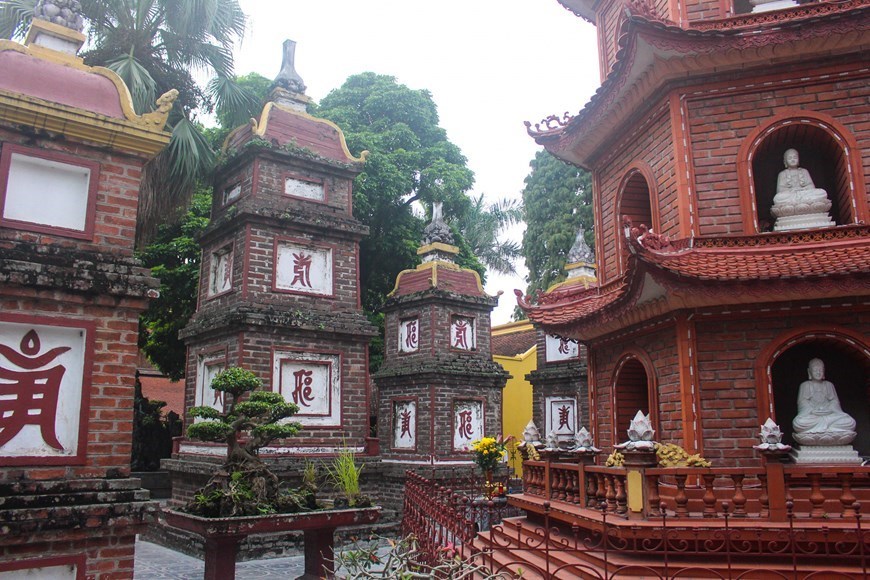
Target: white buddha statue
[820, 419]
[798, 203]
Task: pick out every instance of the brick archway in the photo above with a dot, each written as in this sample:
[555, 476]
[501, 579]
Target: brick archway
[828, 150]
[633, 388]
[637, 198]
[780, 368]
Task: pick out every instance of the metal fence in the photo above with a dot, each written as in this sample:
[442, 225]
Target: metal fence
[603, 546]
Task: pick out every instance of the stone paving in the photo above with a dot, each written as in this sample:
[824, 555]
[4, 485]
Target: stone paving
[154, 561]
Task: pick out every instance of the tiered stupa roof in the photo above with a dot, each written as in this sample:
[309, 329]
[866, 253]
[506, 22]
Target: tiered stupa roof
[665, 275]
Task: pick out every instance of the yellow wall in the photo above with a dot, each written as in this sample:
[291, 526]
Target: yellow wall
[517, 394]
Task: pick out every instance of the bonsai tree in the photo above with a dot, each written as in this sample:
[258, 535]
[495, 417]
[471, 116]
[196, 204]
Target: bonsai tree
[244, 485]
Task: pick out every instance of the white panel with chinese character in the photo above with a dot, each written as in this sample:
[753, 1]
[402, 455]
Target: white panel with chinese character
[561, 415]
[221, 272]
[306, 189]
[205, 396]
[462, 334]
[561, 348]
[231, 194]
[304, 269]
[404, 424]
[467, 424]
[313, 382]
[409, 335]
[62, 572]
[41, 381]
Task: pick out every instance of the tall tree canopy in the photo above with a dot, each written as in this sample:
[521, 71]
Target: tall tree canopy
[557, 199]
[155, 46]
[410, 159]
[482, 226]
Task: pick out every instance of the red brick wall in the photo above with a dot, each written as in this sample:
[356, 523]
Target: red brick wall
[116, 204]
[660, 346]
[257, 357]
[719, 123]
[650, 144]
[694, 10]
[609, 19]
[728, 349]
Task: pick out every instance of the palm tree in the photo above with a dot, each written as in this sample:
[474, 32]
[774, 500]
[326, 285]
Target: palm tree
[481, 225]
[155, 46]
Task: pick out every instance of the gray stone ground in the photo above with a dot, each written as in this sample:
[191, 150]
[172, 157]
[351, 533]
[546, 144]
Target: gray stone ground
[158, 562]
[153, 561]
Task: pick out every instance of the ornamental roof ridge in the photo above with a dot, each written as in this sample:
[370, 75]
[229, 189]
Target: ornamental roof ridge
[694, 41]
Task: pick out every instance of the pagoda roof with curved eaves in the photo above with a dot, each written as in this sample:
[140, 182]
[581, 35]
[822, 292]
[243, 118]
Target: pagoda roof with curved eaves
[654, 52]
[663, 276]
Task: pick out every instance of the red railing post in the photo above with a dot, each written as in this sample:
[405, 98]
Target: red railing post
[776, 490]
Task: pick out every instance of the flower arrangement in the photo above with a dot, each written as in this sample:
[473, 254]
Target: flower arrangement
[615, 459]
[489, 451]
[672, 455]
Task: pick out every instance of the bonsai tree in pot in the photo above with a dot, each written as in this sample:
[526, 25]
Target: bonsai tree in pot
[244, 485]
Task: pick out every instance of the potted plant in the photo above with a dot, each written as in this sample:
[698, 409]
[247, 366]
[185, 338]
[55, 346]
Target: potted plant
[344, 475]
[244, 486]
[244, 497]
[488, 452]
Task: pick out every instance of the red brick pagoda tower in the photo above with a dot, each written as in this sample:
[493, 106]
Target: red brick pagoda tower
[438, 387]
[710, 306]
[730, 150]
[71, 156]
[279, 286]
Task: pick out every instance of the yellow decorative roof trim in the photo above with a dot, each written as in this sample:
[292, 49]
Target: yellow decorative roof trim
[517, 357]
[80, 125]
[512, 327]
[587, 281]
[575, 265]
[124, 98]
[437, 246]
[258, 128]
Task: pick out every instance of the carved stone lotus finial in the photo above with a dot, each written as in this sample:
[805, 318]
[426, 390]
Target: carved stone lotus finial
[583, 442]
[640, 434]
[437, 231]
[66, 13]
[531, 434]
[552, 440]
[771, 437]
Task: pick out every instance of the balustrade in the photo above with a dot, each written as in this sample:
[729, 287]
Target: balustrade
[760, 493]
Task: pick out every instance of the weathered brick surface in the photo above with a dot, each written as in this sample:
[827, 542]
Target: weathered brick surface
[116, 203]
[647, 143]
[719, 122]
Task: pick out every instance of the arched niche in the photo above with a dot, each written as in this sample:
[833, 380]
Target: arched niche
[633, 389]
[637, 200]
[847, 366]
[827, 150]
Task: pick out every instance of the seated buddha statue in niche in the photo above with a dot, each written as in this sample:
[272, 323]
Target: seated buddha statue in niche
[798, 203]
[820, 419]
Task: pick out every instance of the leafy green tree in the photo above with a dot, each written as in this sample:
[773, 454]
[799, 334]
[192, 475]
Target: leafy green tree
[557, 200]
[154, 45]
[410, 160]
[174, 258]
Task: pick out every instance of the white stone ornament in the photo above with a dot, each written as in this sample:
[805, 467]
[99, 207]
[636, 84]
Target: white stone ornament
[531, 434]
[552, 440]
[640, 434]
[583, 442]
[771, 437]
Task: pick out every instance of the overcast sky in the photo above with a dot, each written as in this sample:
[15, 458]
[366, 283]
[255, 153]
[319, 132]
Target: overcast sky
[489, 64]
